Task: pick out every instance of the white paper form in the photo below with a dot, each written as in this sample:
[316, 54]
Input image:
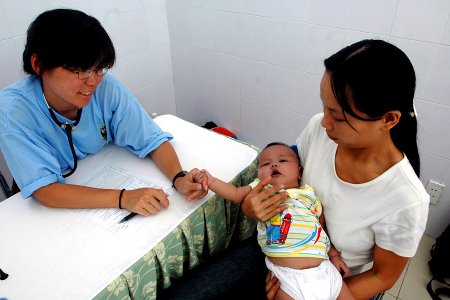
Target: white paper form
[112, 177]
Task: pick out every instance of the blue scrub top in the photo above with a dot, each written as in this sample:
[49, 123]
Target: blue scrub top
[36, 149]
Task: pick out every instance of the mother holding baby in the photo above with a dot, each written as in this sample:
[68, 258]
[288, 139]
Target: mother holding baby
[362, 159]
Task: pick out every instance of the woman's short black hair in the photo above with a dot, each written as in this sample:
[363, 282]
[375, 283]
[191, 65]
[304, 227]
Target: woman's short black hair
[375, 77]
[67, 38]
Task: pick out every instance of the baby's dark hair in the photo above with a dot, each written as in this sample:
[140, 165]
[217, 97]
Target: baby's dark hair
[276, 144]
[294, 149]
[67, 38]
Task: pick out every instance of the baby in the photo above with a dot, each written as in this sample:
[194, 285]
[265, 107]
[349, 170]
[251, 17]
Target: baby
[297, 249]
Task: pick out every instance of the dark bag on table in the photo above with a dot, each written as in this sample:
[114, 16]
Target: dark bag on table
[440, 265]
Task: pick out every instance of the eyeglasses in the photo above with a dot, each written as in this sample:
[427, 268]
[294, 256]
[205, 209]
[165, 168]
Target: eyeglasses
[82, 75]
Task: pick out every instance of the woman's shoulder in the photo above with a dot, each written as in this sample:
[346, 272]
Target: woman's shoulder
[19, 102]
[401, 184]
[110, 92]
[404, 213]
[407, 173]
[317, 118]
[109, 83]
[19, 89]
[312, 128]
[313, 136]
[314, 122]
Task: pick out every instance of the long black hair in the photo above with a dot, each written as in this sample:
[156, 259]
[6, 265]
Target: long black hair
[67, 38]
[376, 77]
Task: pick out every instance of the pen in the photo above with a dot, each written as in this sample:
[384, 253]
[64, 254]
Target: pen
[128, 217]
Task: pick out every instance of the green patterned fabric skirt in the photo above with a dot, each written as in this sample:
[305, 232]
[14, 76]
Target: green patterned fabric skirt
[208, 230]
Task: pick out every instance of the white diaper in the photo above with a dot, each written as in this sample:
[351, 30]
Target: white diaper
[320, 283]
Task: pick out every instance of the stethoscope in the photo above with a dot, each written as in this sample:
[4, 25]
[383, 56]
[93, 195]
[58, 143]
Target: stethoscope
[68, 128]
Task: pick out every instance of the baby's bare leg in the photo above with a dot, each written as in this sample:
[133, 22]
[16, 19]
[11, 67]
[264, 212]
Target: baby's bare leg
[281, 295]
[345, 293]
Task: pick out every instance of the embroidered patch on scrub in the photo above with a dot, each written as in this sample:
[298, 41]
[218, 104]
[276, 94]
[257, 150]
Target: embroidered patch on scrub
[102, 129]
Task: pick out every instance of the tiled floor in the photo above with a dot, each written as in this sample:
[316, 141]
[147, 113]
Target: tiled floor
[412, 283]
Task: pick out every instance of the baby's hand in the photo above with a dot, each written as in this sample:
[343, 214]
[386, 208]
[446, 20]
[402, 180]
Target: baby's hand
[204, 178]
[200, 178]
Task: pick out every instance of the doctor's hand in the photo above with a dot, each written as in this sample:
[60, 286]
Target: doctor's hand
[145, 201]
[262, 204]
[189, 187]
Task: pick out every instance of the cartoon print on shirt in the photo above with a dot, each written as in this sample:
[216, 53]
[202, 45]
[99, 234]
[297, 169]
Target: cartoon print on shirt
[278, 229]
[273, 229]
[287, 220]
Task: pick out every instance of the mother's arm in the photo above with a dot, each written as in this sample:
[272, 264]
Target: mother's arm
[387, 268]
[262, 204]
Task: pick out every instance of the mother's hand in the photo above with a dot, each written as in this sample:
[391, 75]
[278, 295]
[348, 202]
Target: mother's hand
[262, 204]
[272, 286]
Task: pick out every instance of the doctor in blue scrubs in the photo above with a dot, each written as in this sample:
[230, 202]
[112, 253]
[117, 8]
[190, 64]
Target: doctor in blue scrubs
[69, 107]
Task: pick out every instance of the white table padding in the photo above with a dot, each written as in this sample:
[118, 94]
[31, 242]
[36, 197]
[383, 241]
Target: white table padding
[54, 254]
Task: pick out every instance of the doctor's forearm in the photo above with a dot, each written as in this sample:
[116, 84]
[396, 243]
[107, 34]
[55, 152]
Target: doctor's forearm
[166, 159]
[63, 195]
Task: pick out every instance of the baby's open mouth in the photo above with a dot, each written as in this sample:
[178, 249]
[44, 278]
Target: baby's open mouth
[275, 173]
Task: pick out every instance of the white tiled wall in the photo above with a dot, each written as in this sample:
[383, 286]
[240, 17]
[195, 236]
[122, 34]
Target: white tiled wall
[139, 32]
[254, 66]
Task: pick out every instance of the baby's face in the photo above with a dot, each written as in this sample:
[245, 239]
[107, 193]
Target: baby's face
[281, 165]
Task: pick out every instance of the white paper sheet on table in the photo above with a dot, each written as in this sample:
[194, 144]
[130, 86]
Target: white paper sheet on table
[113, 177]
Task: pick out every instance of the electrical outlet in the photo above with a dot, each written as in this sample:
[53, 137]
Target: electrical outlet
[434, 189]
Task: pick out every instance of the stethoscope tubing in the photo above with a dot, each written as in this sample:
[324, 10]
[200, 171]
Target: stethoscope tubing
[68, 129]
